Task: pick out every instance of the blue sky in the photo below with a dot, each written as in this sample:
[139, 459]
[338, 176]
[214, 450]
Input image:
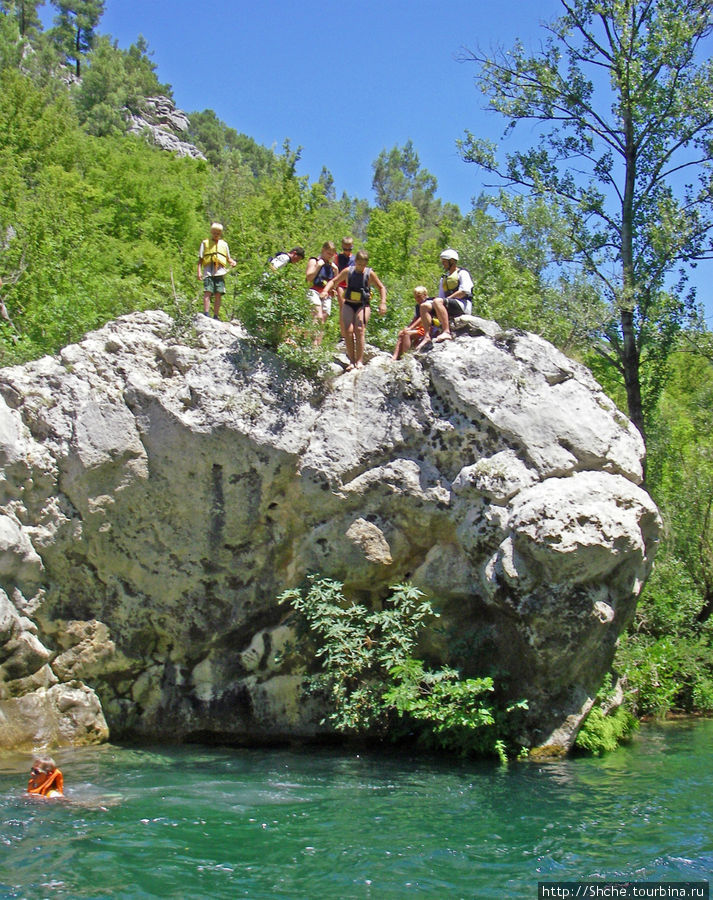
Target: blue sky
[342, 83]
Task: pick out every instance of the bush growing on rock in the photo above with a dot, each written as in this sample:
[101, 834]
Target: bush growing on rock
[376, 684]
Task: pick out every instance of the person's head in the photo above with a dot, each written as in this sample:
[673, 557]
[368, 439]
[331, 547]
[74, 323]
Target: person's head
[420, 293]
[216, 231]
[296, 254]
[328, 250]
[449, 258]
[361, 259]
[42, 765]
[347, 245]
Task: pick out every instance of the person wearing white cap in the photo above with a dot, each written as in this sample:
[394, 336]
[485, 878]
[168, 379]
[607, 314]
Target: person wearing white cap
[455, 293]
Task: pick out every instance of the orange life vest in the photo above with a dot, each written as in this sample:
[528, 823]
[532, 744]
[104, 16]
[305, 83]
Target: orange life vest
[46, 784]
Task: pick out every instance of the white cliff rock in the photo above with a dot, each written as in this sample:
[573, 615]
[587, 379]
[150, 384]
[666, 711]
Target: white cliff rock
[157, 496]
[164, 124]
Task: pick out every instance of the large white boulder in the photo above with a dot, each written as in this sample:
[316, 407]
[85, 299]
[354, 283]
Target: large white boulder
[159, 494]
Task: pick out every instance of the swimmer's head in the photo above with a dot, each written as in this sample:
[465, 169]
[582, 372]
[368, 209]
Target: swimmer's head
[42, 765]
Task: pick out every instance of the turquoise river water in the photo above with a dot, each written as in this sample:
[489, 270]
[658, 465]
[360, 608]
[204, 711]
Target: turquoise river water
[196, 822]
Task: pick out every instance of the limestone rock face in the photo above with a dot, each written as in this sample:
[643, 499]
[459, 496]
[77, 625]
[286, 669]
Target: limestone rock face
[165, 124]
[158, 494]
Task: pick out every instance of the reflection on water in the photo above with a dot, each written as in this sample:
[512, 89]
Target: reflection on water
[195, 822]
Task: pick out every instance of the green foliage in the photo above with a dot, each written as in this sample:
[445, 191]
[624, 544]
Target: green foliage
[667, 673]
[275, 310]
[358, 647]
[602, 733]
[92, 227]
[377, 686]
[223, 145]
[392, 237]
[666, 658]
[25, 15]
[453, 709]
[76, 21]
[622, 95]
[10, 44]
[115, 80]
[681, 468]
[607, 725]
[399, 178]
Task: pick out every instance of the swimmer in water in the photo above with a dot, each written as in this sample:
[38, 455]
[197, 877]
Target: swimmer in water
[45, 778]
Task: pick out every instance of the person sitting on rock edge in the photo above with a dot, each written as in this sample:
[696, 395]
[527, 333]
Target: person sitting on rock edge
[46, 780]
[414, 333]
[455, 291]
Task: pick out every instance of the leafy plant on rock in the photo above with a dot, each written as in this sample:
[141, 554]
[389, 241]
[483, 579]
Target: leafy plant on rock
[377, 686]
[605, 727]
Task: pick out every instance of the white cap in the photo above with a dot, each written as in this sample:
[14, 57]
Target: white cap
[449, 254]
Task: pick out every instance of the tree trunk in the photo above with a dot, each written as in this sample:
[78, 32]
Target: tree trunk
[630, 361]
[630, 350]
[77, 46]
[706, 609]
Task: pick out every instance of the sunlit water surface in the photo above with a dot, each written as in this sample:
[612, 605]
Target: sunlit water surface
[191, 822]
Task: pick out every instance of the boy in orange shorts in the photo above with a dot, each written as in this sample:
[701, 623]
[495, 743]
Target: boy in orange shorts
[414, 332]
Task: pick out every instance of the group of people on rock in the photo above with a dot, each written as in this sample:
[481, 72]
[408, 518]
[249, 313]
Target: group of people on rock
[348, 277]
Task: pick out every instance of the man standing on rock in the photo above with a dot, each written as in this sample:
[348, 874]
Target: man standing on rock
[214, 259]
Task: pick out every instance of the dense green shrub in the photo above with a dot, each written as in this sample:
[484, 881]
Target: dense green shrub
[377, 686]
[666, 658]
[607, 725]
[602, 733]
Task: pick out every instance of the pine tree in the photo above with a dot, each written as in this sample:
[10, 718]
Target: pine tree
[25, 12]
[76, 22]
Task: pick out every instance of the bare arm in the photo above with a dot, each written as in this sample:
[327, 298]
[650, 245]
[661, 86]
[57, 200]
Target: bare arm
[329, 286]
[375, 280]
[313, 266]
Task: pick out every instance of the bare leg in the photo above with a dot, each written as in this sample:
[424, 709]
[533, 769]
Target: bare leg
[360, 320]
[340, 297]
[206, 302]
[442, 313]
[348, 316]
[426, 321]
[401, 347]
[319, 315]
[216, 305]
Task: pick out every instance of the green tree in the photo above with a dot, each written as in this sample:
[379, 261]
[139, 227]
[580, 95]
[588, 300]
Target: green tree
[623, 95]
[114, 81]
[377, 687]
[681, 470]
[393, 236]
[25, 13]
[224, 145]
[90, 227]
[666, 658]
[10, 42]
[398, 177]
[76, 22]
